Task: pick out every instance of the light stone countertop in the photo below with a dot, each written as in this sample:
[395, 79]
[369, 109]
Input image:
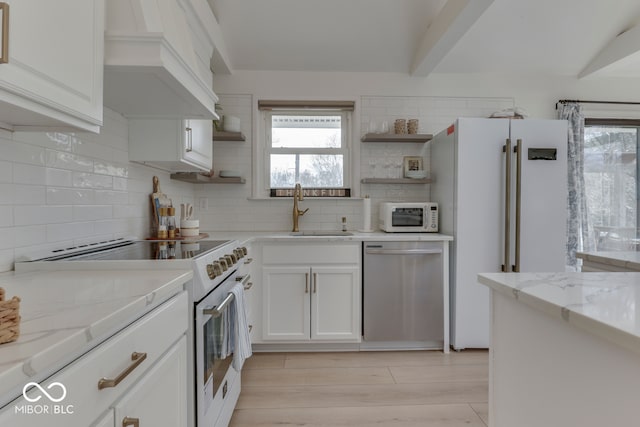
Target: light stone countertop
[604, 304]
[246, 237]
[66, 313]
[628, 260]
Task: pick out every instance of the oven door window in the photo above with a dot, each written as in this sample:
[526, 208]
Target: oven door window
[407, 217]
[218, 351]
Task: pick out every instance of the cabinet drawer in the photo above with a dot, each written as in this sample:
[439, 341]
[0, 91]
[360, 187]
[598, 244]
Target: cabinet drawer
[153, 334]
[311, 254]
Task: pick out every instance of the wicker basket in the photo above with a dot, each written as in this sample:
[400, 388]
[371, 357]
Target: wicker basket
[9, 318]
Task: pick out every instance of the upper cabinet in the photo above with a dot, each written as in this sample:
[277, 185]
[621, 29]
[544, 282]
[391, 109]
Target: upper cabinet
[53, 77]
[172, 145]
[157, 59]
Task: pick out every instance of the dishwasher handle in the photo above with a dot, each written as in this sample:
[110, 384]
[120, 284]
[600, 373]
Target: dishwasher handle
[403, 251]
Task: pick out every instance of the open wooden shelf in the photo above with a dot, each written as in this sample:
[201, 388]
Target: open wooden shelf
[393, 137]
[198, 178]
[228, 136]
[395, 181]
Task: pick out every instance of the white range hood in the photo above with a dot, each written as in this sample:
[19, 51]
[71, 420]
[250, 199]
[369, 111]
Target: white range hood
[157, 59]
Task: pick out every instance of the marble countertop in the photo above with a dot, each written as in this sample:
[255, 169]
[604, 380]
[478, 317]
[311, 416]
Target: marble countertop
[66, 313]
[245, 237]
[604, 304]
[629, 260]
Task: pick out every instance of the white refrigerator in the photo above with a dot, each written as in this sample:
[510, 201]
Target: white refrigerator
[506, 211]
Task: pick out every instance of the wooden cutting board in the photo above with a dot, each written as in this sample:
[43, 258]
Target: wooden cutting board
[158, 199]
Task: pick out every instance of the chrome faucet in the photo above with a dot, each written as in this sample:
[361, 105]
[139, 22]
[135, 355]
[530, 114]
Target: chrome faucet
[297, 196]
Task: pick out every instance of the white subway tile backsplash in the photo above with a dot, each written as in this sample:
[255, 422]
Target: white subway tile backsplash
[6, 171]
[92, 213]
[70, 161]
[58, 188]
[34, 215]
[6, 216]
[110, 197]
[6, 194]
[58, 177]
[18, 152]
[30, 174]
[29, 195]
[30, 235]
[69, 196]
[111, 169]
[6, 259]
[75, 230]
[91, 180]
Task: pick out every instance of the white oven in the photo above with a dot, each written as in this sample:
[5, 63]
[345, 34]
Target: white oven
[217, 381]
[214, 386]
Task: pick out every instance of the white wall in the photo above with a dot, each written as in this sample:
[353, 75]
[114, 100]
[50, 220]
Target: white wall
[59, 189]
[66, 188]
[436, 101]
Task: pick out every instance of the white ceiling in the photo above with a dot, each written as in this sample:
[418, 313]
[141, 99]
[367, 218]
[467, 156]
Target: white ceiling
[556, 37]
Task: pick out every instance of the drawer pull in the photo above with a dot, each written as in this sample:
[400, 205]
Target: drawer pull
[127, 421]
[248, 286]
[137, 359]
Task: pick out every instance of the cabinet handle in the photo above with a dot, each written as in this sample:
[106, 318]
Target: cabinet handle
[306, 283]
[248, 286]
[127, 421]
[189, 140]
[315, 283]
[4, 56]
[137, 359]
[248, 261]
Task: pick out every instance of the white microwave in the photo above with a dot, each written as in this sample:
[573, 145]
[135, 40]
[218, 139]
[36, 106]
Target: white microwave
[409, 217]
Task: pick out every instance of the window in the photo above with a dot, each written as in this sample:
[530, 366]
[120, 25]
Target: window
[309, 146]
[611, 182]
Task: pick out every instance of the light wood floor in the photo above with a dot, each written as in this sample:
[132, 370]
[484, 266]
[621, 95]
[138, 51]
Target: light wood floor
[411, 388]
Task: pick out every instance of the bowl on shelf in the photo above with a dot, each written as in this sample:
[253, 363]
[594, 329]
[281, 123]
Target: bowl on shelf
[231, 124]
[420, 174]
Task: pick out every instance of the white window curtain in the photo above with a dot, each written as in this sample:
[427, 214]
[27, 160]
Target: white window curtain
[579, 233]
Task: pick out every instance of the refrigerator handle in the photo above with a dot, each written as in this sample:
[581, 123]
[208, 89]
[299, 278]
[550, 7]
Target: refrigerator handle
[507, 203]
[518, 150]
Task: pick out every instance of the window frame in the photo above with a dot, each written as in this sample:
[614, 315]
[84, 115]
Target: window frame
[629, 123]
[265, 148]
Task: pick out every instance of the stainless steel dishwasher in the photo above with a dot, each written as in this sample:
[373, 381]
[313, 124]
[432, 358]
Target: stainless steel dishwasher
[402, 295]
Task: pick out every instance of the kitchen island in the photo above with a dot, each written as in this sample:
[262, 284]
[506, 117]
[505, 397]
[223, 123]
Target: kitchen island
[565, 349]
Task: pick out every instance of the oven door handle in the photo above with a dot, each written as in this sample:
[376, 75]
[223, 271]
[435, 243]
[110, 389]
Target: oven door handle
[217, 310]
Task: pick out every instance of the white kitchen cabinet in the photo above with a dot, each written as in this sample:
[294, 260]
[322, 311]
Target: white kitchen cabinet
[311, 293]
[158, 59]
[172, 145]
[54, 74]
[134, 358]
[107, 420]
[159, 398]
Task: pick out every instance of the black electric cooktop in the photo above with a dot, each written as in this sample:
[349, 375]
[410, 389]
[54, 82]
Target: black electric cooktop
[145, 250]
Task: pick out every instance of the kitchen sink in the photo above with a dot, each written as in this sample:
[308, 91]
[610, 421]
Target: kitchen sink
[321, 233]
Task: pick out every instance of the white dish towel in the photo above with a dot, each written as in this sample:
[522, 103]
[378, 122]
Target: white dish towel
[242, 341]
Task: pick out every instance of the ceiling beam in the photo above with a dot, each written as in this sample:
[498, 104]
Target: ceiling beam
[624, 45]
[453, 21]
[220, 63]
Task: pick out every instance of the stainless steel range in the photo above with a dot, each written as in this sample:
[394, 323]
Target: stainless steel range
[217, 266]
